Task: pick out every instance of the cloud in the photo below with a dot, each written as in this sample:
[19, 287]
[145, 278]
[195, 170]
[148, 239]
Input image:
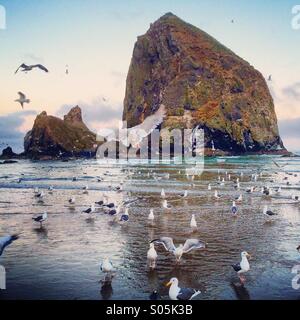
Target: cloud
[292, 91]
[290, 128]
[11, 132]
[97, 113]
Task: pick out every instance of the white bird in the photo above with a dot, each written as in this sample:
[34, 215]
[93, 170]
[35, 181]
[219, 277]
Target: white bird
[151, 215]
[176, 293]
[185, 194]
[22, 99]
[152, 256]
[135, 135]
[50, 189]
[243, 266]
[193, 222]
[216, 195]
[250, 190]
[6, 241]
[189, 245]
[106, 266]
[72, 200]
[209, 187]
[268, 212]
[163, 194]
[86, 189]
[166, 205]
[41, 218]
[239, 198]
[90, 210]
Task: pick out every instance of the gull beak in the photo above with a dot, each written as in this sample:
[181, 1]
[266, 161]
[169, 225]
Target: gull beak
[168, 284]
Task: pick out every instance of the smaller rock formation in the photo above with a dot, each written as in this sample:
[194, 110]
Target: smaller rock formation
[8, 153]
[56, 138]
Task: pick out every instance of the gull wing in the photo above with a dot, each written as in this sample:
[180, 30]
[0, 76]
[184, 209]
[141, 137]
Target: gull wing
[151, 122]
[40, 66]
[186, 293]
[5, 241]
[21, 66]
[191, 244]
[166, 242]
[22, 95]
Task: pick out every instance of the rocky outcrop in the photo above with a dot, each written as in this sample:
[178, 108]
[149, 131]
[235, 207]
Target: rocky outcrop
[202, 83]
[54, 137]
[8, 153]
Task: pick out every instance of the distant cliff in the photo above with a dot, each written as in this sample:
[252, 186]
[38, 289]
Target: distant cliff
[54, 137]
[202, 83]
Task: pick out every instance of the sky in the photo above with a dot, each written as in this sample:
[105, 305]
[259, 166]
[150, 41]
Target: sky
[95, 38]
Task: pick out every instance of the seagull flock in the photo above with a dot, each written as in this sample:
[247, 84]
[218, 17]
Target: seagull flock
[119, 211]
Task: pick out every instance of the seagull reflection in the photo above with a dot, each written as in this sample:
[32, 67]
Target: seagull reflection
[240, 291]
[42, 232]
[106, 289]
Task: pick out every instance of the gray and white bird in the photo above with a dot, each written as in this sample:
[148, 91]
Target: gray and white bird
[268, 212]
[151, 215]
[176, 293]
[72, 200]
[22, 99]
[6, 241]
[90, 210]
[152, 256]
[41, 218]
[106, 266]
[166, 206]
[190, 244]
[243, 266]
[193, 223]
[25, 68]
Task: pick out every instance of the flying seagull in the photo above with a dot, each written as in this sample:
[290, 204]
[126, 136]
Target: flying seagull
[26, 68]
[6, 241]
[22, 99]
[176, 293]
[189, 245]
[134, 136]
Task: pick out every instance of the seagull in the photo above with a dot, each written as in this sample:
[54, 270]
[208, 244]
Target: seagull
[85, 189]
[106, 266]
[239, 198]
[100, 203]
[234, 208]
[151, 215]
[26, 68]
[50, 189]
[216, 195]
[40, 195]
[41, 218]
[163, 194]
[193, 222]
[268, 212]
[22, 99]
[250, 190]
[166, 205]
[189, 245]
[152, 256]
[72, 200]
[125, 216]
[135, 135]
[176, 293]
[90, 210]
[243, 266]
[185, 194]
[209, 187]
[6, 241]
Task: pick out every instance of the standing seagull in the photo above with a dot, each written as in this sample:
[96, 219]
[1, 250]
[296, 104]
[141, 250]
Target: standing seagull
[22, 99]
[26, 68]
[176, 293]
[268, 212]
[152, 256]
[90, 210]
[6, 241]
[41, 218]
[243, 266]
[151, 215]
[189, 245]
[193, 222]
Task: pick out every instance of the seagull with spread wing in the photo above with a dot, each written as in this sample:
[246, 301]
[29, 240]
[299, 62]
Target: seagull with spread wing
[25, 68]
[135, 135]
[190, 244]
[22, 99]
[6, 241]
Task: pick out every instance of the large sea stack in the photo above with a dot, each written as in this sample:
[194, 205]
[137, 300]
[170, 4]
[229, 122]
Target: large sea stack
[202, 83]
[54, 137]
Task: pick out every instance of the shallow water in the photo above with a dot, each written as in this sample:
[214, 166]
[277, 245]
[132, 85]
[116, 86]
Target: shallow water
[61, 260]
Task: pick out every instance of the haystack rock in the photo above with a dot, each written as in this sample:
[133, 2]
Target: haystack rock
[202, 83]
[54, 137]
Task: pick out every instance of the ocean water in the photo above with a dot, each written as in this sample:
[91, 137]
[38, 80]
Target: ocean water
[62, 259]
